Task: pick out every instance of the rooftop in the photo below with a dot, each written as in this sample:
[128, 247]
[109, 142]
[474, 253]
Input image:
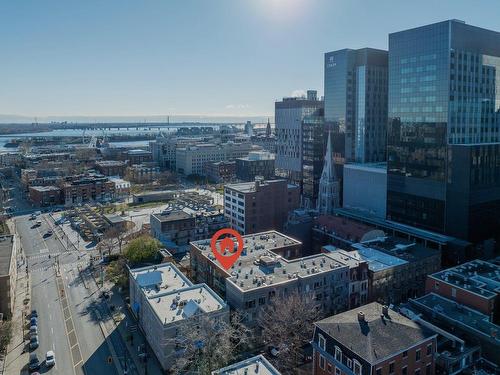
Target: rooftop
[6, 247]
[349, 258]
[110, 163]
[260, 266]
[377, 260]
[44, 188]
[343, 227]
[463, 316]
[370, 167]
[167, 216]
[478, 276]
[172, 296]
[257, 365]
[249, 187]
[377, 336]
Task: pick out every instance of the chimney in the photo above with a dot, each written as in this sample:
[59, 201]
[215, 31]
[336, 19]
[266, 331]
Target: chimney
[385, 311]
[361, 316]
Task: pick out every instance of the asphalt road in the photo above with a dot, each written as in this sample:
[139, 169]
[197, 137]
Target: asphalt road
[65, 304]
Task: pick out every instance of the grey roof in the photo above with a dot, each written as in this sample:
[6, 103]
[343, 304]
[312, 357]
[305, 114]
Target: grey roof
[257, 365]
[375, 338]
[6, 247]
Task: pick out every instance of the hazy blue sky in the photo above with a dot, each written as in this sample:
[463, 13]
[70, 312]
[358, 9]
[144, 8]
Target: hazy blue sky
[210, 57]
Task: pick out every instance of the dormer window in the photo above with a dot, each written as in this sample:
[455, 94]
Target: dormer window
[338, 354]
[321, 342]
[357, 367]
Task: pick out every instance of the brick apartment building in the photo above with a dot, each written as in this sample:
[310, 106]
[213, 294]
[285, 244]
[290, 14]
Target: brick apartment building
[176, 227]
[372, 340]
[220, 171]
[111, 167]
[87, 188]
[260, 205]
[475, 284]
[41, 196]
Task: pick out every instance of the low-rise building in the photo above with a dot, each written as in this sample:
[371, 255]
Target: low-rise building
[8, 274]
[257, 365]
[143, 173]
[221, 171]
[192, 159]
[42, 196]
[265, 271]
[475, 284]
[122, 187]
[397, 268]
[260, 205]
[111, 167]
[138, 156]
[257, 163]
[470, 325]
[372, 340]
[163, 299]
[176, 227]
[87, 188]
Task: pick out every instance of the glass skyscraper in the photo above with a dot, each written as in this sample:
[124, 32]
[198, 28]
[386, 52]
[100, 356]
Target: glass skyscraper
[443, 129]
[356, 104]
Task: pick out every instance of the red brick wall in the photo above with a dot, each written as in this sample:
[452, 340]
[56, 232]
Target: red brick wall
[462, 296]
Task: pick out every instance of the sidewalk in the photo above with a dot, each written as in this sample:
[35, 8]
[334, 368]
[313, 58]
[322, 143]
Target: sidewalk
[128, 327]
[16, 361]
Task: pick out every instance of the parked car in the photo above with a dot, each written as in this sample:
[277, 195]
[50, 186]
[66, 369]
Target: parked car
[34, 362]
[34, 314]
[48, 233]
[50, 359]
[33, 321]
[34, 329]
[34, 342]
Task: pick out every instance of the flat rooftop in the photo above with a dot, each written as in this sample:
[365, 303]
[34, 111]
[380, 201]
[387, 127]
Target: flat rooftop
[349, 258]
[167, 216]
[259, 264]
[257, 365]
[478, 276]
[377, 260]
[6, 247]
[44, 188]
[461, 315]
[249, 187]
[172, 296]
[401, 248]
[110, 163]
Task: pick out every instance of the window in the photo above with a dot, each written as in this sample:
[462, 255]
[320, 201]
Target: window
[417, 371]
[405, 354]
[321, 342]
[349, 363]
[337, 371]
[329, 366]
[404, 370]
[418, 355]
[428, 369]
[322, 362]
[338, 354]
[378, 371]
[429, 349]
[391, 368]
[454, 292]
[357, 367]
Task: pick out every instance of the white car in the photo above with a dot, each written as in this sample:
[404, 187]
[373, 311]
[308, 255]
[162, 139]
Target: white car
[50, 359]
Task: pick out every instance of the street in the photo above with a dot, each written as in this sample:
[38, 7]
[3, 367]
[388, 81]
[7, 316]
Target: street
[66, 305]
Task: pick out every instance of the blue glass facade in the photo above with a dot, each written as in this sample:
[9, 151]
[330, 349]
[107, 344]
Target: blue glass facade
[444, 90]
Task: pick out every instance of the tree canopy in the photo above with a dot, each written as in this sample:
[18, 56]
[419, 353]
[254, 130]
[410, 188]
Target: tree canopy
[142, 249]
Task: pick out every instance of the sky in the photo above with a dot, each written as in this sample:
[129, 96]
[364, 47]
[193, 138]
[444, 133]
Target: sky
[191, 57]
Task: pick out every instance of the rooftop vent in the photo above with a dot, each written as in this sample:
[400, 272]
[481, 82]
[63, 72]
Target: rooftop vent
[361, 316]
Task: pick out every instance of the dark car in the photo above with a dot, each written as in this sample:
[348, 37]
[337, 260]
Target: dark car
[33, 321]
[34, 314]
[34, 362]
[34, 343]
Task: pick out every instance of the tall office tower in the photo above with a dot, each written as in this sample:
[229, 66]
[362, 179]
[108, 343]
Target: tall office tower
[289, 114]
[329, 186]
[313, 156]
[444, 123]
[356, 104]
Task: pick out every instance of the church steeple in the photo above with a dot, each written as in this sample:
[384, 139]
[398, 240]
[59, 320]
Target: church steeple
[268, 128]
[329, 190]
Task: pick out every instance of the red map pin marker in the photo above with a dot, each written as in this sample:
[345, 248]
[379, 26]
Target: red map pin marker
[227, 245]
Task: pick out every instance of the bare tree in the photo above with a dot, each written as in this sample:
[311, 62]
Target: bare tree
[205, 344]
[286, 324]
